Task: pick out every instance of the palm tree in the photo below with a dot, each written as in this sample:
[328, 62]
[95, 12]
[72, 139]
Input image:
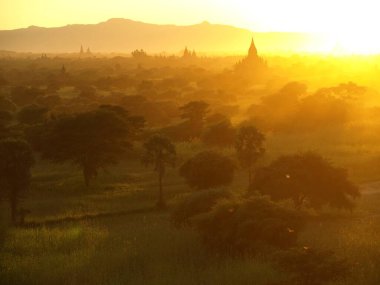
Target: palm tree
[159, 152]
[249, 148]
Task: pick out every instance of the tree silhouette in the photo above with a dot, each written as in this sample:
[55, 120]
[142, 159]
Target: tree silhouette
[16, 160]
[221, 134]
[195, 113]
[159, 152]
[208, 169]
[249, 147]
[139, 53]
[306, 178]
[92, 140]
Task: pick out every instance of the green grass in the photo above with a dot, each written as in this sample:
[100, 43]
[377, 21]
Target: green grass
[355, 238]
[143, 249]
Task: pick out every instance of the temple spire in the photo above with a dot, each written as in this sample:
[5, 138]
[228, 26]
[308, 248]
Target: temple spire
[252, 49]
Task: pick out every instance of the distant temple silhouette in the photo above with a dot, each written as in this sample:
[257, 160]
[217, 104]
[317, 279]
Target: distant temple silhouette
[252, 62]
[189, 54]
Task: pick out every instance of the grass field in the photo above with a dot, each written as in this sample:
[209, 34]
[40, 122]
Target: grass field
[111, 234]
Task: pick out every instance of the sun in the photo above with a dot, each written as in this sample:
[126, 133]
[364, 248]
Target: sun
[353, 27]
[347, 27]
[347, 42]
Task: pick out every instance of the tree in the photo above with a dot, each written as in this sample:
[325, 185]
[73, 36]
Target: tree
[139, 53]
[221, 134]
[249, 148]
[159, 152]
[92, 140]
[306, 178]
[22, 95]
[32, 114]
[208, 169]
[16, 160]
[194, 113]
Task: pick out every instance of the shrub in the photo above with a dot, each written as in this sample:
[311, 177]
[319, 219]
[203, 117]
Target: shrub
[196, 203]
[248, 225]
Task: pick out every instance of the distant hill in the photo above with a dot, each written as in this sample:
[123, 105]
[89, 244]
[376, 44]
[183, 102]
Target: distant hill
[123, 36]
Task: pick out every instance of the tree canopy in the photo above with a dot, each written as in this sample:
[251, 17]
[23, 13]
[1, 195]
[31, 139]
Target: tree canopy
[306, 178]
[91, 140]
[208, 169]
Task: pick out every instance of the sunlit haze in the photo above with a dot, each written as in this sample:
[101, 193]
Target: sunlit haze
[220, 142]
[350, 26]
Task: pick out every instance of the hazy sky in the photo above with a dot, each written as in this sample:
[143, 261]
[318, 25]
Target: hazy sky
[272, 15]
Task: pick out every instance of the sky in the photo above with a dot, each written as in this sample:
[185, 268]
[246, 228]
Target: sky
[264, 15]
[352, 22]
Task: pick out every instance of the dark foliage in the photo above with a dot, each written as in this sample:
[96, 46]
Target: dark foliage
[306, 178]
[208, 169]
[16, 160]
[249, 147]
[32, 114]
[22, 95]
[194, 113]
[220, 134]
[91, 140]
[196, 203]
[246, 226]
[160, 153]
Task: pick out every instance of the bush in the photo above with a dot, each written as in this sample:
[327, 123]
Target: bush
[195, 204]
[208, 169]
[248, 225]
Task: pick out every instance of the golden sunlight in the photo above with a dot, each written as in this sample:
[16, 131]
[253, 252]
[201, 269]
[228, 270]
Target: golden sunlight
[221, 142]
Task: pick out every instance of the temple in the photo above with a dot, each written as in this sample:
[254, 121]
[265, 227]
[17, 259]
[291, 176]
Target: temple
[252, 62]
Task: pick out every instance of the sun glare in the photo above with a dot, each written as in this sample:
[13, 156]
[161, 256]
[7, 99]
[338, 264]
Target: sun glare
[357, 43]
[343, 27]
[352, 29]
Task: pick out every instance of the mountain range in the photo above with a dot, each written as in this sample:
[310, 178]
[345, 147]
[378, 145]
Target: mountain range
[124, 36]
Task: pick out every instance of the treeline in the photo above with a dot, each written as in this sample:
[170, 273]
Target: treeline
[96, 139]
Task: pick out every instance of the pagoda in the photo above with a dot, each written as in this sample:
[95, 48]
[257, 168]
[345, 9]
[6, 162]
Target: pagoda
[252, 62]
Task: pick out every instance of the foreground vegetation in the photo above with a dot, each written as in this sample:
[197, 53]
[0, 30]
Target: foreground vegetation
[144, 248]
